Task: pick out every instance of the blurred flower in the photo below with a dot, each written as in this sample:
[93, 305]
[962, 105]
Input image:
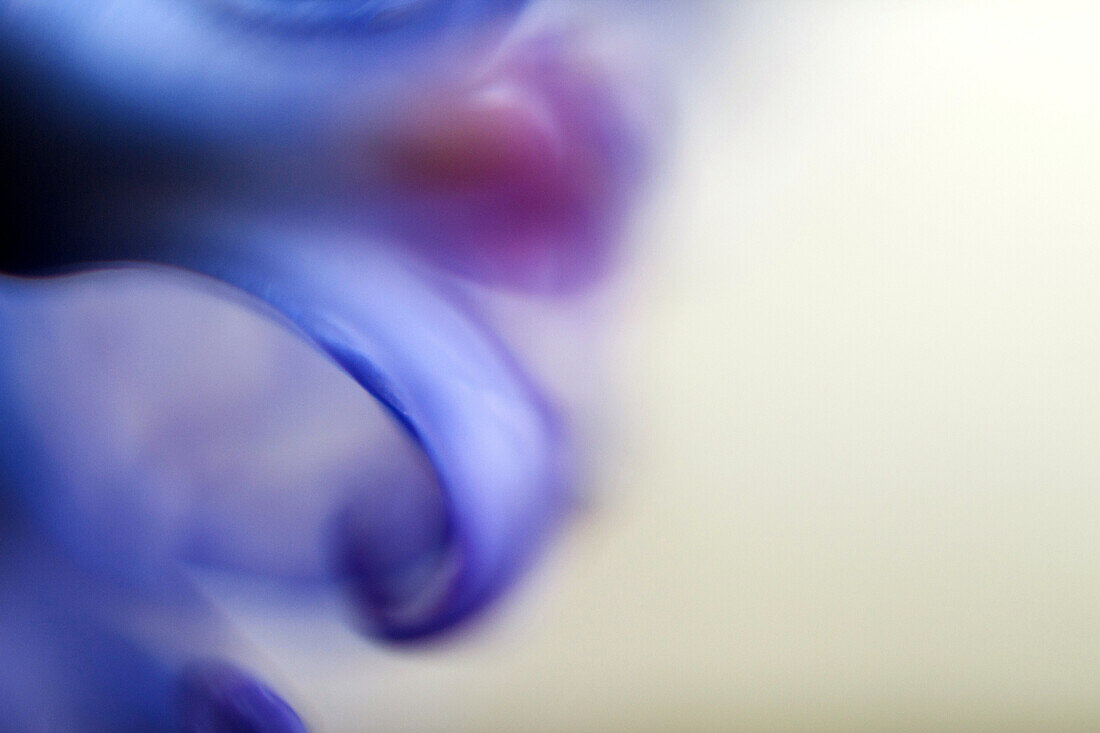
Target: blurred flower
[294, 177]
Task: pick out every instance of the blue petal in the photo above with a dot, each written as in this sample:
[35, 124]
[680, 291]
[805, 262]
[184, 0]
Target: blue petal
[240, 70]
[216, 428]
[83, 654]
[219, 698]
[494, 446]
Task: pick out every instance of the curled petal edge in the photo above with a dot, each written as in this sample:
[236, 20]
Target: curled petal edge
[496, 447]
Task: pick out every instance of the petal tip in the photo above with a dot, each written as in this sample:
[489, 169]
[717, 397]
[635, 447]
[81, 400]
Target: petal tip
[216, 697]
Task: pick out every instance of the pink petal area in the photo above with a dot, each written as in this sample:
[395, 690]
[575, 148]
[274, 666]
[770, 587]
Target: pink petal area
[521, 178]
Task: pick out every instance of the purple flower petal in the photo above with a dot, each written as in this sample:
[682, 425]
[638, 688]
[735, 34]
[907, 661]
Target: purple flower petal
[494, 447]
[219, 698]
[82, 653]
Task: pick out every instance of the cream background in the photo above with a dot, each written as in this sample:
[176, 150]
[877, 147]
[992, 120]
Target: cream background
[858, 485]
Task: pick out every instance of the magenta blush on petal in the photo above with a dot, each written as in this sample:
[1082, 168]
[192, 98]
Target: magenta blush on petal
[467, 145]
[520, 179]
